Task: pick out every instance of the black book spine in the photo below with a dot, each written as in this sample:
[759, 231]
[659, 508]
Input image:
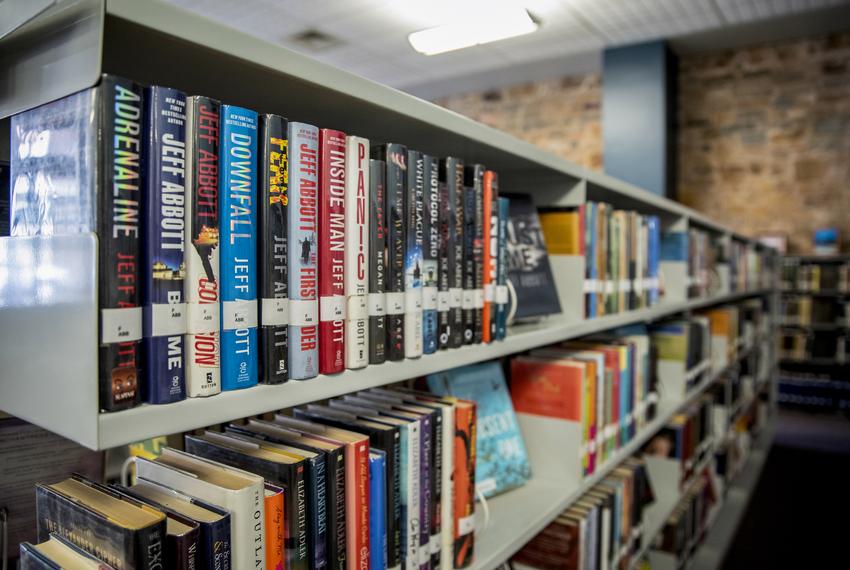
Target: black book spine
[215, 541]
[468, 264]
[493, 246]
[395, 155]
[436, 474]
[120, 103]
[458, 231]
[337, 540]
[431, 258]
[273, 234]
[150, 547]
[181, 552]
[317, 499]
[477, 185]
[377, 262]
[445, 260]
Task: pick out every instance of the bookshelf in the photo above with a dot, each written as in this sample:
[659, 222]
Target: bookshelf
[48, 333]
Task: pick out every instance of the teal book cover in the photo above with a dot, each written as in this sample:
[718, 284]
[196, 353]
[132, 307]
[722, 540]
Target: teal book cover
[501, 458]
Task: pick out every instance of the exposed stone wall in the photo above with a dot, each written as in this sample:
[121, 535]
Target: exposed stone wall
[763, 139]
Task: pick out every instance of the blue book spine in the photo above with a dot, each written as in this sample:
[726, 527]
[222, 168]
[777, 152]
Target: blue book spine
[502, 272]
[377, 510]
[317, 497]
[164, 270]
[654, 239]
[431, 256]
[238, 180]
[674, 246]
[303, 251]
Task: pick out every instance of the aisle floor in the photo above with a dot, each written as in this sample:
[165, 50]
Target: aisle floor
[796, 517]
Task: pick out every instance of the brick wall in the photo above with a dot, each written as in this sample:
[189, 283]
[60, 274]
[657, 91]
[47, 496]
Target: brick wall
[764, 132]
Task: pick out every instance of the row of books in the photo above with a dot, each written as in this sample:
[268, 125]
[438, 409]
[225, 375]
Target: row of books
[381, 479]
[748, 269]
[237, 247]
[805, 310]
[802, 345]
[600, 531]
[622, 251]
[685, 528]
[605, 384]
[702, 260]
[687, 437]
[811, 276]
[814, 390]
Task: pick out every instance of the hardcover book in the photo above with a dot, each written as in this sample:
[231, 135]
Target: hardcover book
[528, 264]
[57, 553]
[203, 333]
[414, 222]
[274, 249]
[451, 174]
[73, 144]
[275, 521]
[357, 172]
[501, 295]
[121, 531]
[303, 251]
[502, 462]
[238, 492]
[395, 157]
[491, 253]
[475, 180]
[239, 354]
[214, 522]
[332, 299]
[468, 264]
[431, 257]
[377, 262]
[163, 263]
[377, 509]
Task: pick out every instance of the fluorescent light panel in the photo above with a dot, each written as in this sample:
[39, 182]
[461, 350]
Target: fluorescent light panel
[491, 24]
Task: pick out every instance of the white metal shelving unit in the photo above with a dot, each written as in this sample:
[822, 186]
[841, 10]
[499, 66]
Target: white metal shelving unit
[48, 315]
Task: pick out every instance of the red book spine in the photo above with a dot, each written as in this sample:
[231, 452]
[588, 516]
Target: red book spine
[357, 505]
[332, 252]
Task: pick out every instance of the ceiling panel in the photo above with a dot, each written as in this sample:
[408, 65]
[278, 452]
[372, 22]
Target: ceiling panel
[739, 11]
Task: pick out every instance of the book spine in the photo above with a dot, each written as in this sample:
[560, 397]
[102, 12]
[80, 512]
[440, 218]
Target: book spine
[274, 247]
[430, 256]
[454, 178]
[273, 512]
[436, 482]
[303, 255]
[468, 265]
[447, 499]
[121, 103]
[318, 509]
[410, 497]
[357, 505]
[377, 508]
[445, 257]
[414, 222]
[396, 159]
[491, 254]
[163, 250]
[501, 296]
[478, 255]
[331, 251]
[357, 172]
[394, 521]
[203, 336]
[238, 180]
[149, 547]
[181, 552]
[464, 486]
[337, 541]
[425, 450]
[216, 545]
[377, 262]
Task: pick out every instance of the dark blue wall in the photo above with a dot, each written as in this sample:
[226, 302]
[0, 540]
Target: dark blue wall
[638, 91]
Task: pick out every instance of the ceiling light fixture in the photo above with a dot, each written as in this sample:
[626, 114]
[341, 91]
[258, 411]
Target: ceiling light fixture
[489, 25]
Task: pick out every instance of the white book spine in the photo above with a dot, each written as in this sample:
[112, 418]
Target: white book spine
[413, 451]
[447, 504]
[357, 251]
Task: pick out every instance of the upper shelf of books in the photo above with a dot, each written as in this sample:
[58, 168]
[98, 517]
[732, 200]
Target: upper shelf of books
[154, 42]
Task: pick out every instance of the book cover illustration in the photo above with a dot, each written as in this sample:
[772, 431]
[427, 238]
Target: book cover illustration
[377, 262]
[332, 165]
[502, 461]
[273, 242]
[303, 251]
[63, 156]
[414, 221]
[445, 260]
[163, 262]
[357, 252]
[238, 180]
[527, 262]
[478, 245]
[430, 256]
[203, 340]
[491, 254]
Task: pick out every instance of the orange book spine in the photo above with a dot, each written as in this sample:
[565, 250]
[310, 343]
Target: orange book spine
[357, 505]
[488, 256]
[275, 555]
[464, 484]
